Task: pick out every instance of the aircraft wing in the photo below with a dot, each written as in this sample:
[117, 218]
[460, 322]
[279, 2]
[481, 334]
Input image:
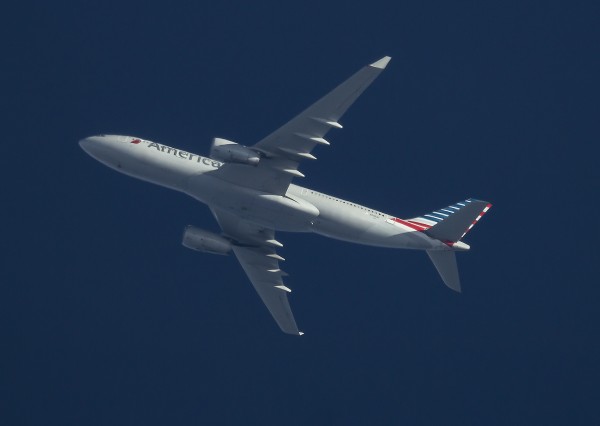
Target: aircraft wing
[283, 149]
[255, 250]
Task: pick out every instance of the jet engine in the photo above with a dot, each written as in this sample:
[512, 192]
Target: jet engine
[231, 152]
[204, 241]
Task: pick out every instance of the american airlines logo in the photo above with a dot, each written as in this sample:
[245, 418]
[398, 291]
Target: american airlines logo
[182, 154]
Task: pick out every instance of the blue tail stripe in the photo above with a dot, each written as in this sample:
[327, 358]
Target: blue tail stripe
[441, 214]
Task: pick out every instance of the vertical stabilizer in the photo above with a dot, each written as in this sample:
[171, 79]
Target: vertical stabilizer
[445, 263]
[451, 223]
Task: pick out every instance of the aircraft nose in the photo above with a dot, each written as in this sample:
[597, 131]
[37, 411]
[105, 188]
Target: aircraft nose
[94, 146]
[85, 144]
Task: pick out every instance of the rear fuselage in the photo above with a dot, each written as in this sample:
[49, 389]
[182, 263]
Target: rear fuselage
[300, 210]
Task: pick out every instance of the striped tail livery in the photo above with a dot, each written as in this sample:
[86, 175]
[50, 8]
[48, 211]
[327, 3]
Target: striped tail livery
[450, 225]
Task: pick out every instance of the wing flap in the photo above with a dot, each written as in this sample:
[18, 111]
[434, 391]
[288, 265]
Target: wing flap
[283, 149]
[254, 247]
[271, 289]
[320, 117]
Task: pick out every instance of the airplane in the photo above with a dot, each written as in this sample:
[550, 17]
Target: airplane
[249, 191]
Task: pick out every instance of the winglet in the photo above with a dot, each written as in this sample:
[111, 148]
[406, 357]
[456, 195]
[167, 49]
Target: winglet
[381, 64]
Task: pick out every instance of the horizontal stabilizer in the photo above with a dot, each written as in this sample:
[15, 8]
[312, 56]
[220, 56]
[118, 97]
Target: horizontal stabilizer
[445, 263]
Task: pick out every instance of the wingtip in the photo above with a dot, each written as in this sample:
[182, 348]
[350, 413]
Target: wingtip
[382, 63]
[300, 333]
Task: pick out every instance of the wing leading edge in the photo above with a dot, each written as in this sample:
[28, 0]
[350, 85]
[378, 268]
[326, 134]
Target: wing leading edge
[281, 153]
[283, 149]
[265, 275]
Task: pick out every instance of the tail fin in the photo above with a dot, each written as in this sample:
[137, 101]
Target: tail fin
[452, 223]
[445, 263]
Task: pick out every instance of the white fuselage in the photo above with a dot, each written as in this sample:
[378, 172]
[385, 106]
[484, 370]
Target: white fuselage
[300, 210]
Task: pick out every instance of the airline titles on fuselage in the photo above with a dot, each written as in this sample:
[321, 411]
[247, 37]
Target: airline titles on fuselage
[185, 155]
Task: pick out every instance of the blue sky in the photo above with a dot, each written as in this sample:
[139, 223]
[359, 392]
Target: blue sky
[106, 319]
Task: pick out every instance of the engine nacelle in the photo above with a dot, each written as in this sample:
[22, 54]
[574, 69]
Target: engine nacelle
[204, 241]
[231, 152]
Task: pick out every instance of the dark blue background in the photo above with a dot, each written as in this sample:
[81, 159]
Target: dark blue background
[106, 319]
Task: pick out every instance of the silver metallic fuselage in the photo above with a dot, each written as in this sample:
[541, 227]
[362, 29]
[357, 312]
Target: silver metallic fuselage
[300, 210]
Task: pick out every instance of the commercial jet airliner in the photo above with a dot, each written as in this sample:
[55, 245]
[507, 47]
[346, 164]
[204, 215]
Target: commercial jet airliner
[250, 193]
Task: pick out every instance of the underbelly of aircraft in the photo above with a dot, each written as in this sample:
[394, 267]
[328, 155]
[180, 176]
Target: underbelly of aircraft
[273, 212]
[280, 213]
